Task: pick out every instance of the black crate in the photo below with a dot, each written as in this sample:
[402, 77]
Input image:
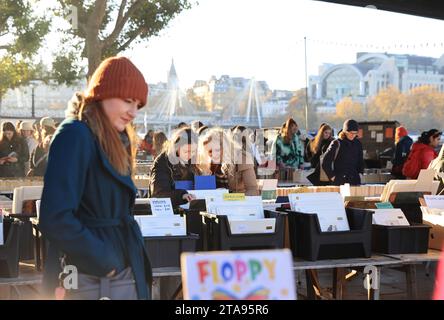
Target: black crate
[310, 243]
[194, 221]
[400, 239]
[409, 203]
[141, 209]
[9, 252]
[218, 234]
[165, 251]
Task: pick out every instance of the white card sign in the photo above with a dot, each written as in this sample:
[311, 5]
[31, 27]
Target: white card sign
[390, 217]
[161, 206]
[239, 275]
[329, 207]
[435, 202]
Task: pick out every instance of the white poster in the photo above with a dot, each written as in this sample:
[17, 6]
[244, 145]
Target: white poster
[390, 217]
[328, 206]
[238, 275]
[380, 138]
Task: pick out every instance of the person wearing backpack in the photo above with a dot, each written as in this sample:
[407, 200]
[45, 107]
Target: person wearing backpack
[422, 153]
[343, 162]
[403, 144]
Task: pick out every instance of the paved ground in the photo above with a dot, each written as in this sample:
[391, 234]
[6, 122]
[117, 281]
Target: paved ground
[393, 285]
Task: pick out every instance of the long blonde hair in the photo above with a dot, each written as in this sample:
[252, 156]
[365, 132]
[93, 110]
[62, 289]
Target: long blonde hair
[315, 146]
[121, 158]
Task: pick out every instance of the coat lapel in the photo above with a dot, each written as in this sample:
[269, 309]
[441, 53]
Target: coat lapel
[126, 180]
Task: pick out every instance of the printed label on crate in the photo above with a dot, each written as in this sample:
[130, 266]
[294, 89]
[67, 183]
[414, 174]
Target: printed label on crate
[161, 207]
[390, 217]
[234, 196]
[242, 226]
[238, 275]
[384, 205]
[436, 202]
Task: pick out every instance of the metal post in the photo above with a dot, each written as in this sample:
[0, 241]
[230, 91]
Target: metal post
[306, 85]
[32, 103]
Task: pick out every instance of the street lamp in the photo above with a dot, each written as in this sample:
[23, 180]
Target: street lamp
[33, 84]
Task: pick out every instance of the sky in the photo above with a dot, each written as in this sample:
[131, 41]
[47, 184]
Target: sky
[264, 39]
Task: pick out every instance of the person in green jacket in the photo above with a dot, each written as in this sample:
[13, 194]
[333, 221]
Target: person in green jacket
[288, 147]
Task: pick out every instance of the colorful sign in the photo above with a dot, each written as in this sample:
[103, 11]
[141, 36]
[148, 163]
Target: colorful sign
[238, 275]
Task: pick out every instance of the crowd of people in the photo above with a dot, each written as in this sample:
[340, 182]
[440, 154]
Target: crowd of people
[89, 190]
[24, 147]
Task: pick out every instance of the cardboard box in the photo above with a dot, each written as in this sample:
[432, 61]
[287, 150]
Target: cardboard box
[436, 236]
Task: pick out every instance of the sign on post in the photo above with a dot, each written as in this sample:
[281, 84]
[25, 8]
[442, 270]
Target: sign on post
[238, 275]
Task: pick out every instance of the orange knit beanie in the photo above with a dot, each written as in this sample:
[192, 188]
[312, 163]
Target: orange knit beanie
[117, 77]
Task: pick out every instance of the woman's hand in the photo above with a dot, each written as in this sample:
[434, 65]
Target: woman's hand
[188, 197]
[112, 273]
[12, 159]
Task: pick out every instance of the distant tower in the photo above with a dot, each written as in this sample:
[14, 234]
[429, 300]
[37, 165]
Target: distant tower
[173, 81]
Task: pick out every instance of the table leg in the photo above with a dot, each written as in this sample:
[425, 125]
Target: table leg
[410, 274]
[312, 281]
[338, 283]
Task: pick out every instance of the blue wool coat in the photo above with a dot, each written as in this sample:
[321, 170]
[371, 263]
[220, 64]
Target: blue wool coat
[85, 211]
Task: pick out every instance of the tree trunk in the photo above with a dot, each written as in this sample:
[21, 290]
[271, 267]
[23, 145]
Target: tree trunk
[94, 53]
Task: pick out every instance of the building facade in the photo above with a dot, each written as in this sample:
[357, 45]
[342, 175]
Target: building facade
[373, 72]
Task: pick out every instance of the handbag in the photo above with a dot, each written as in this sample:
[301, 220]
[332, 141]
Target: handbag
[322, 175]
[119, 287]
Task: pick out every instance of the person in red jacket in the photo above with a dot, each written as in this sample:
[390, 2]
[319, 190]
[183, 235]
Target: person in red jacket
[422, 153]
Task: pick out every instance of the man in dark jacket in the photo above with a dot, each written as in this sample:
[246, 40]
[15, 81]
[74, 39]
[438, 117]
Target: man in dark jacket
[344, 165]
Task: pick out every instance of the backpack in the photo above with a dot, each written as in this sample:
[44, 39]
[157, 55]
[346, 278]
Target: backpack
[322, 175]
[412, 166]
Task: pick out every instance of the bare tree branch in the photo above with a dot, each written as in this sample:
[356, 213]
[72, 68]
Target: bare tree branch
[120, 24]
[131, 39]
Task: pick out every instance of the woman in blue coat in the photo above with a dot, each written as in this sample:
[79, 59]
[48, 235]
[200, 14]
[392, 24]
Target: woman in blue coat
[88, 192]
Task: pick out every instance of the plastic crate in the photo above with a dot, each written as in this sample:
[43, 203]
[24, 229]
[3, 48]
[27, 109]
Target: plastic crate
[194, 221]
[165, 251]
[408, 202]
[400, 239]
[310, 243]
[9, 252]
[218, 236]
